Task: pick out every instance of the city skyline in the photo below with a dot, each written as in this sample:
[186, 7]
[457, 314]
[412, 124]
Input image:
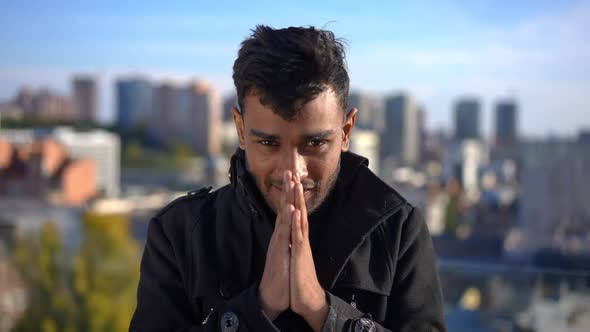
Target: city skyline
[532, 52]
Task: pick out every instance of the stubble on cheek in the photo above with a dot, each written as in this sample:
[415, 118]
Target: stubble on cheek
[264, 181]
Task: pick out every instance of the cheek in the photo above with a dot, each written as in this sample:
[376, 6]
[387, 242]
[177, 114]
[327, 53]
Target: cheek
[323, 168]
[261, 166]
[258, 156]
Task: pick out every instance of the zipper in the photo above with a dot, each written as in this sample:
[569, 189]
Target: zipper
[208, 315]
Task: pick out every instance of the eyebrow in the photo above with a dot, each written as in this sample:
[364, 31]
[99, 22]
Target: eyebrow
[319, 135]
[263, 135]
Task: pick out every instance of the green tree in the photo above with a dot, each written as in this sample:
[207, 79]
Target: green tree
[93, 290]
[106, 273]
[42, 263]
[452, 217]
[133, 153]
[181, 154]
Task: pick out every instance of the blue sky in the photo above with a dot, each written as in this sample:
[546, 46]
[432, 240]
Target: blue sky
[535, 51]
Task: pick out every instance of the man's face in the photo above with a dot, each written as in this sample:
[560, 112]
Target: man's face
[309, 144]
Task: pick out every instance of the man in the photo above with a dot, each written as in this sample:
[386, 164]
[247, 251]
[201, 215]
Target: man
[305, 238]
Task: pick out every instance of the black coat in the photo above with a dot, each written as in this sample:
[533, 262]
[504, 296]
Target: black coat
[205, 254]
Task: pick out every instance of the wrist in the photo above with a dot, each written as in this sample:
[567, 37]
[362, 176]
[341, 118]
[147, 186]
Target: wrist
[271, 313]
[316, 319]
[316, 316]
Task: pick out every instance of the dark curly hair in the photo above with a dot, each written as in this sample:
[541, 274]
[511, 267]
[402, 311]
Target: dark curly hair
[289, 67]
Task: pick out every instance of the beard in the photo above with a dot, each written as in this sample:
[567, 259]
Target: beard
[321, 193]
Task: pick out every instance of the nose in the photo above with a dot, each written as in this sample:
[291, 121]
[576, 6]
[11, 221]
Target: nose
[293, 161]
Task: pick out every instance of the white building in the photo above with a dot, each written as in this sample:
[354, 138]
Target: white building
[99, 145]
[464, 162]
[18, 136]
[366, 144]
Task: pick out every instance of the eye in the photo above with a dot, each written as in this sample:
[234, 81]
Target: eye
[315, 143]
[267, 142]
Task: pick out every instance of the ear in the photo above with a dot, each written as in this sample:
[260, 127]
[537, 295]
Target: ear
[347, 128]
[239, 122]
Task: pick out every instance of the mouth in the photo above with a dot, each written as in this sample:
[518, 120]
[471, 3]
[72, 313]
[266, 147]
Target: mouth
[277, 188]
[310, 189]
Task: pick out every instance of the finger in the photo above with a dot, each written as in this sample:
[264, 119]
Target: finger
[283, 200]
[285, 228]
[296, 198]
[296, 232]
[286, 197]
[281, 237]
[296, 181]
[290, 192]
[299, 196]
[300, 205]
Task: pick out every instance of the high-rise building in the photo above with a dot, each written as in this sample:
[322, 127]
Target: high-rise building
[364, 117]
[422, 132]
[506, 123]
[228, 103]
[165, 119]
[85, 98]
[206, 120]
[370, 111]
[554, 210]
[24, 99]
[400, 139]
[467, 119]
[48, 105]
[134, 103]
[44, 105]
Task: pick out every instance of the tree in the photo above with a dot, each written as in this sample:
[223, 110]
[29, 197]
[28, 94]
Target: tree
[106, 273]
[92, 290]
[41, 262]
[133, 153]
[181, 154]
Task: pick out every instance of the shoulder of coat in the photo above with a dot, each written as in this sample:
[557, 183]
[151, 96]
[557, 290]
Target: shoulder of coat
[192, 195]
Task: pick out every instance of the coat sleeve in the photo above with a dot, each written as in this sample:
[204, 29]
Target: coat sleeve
[163, 302]
[415, 302]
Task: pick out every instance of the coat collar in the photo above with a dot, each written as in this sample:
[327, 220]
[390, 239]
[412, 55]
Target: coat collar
[362, 202]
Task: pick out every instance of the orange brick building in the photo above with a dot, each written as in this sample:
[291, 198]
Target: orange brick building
[43, 169]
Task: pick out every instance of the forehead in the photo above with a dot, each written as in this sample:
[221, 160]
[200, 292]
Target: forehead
[322, 112]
